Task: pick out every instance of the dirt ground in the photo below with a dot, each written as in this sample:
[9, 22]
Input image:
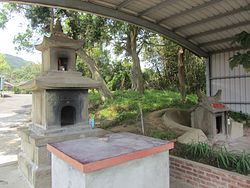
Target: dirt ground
[152, 123]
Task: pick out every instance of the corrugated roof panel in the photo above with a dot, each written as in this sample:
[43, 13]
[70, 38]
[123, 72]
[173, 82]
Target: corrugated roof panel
[232, 19]
[232, 32]
[245, 15]
[139, 5]
[218, 47]
[107, 3]
[219, 8]
[238, 3]
[178, 22]
[182, 18]
[162, 12]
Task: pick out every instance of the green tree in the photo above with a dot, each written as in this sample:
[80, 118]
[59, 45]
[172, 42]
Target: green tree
[25, 73]
[243, 39]
[77, 25]
[4, 67]
[129, 40]
[161, 57]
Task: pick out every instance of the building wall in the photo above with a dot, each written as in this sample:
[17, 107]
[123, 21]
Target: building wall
[199, 175]
[234, 83]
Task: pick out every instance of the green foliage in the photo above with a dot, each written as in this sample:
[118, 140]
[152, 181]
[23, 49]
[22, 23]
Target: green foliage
[240, 117]
[15, 62]
[4, 67]
[16, 90]
[5, 13]
[224, 159]
[202, 152]
[240, 59]
[3, 18]
[243, 39]
[243, 163]
[125, 104]
[25, 73]
[198, 150]
[161, 58]
[23, 41]
[120, 76]
[164, 135]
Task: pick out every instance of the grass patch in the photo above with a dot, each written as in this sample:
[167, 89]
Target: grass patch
[125, 104]
[220, 158]
[164, 135]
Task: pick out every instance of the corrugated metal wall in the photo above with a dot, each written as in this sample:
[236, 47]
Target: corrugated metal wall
[235, 84]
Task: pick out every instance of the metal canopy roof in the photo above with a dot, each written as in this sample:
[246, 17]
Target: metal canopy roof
[203, 26]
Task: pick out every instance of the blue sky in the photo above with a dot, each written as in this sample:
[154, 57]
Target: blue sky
[15, 25]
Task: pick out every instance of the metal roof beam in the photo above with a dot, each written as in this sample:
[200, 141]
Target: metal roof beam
[189, 10]
[79, 5]
[210, 32]
[123, 4]
[209, 19]
[211, 43]
[156, 7]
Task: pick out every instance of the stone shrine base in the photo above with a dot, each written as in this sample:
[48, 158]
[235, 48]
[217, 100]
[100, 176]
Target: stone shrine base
[34, 160]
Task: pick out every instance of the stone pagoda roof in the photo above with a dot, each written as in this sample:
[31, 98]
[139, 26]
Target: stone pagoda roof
[59, 80]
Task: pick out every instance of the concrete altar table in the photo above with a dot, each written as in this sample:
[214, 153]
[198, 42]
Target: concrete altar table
[118, 160]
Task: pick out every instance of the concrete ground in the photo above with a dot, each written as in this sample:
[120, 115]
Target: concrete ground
[10, 177]
[240, 144]
[14, 112]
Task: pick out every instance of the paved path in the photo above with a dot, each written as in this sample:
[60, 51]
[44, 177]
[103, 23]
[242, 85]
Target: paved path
[14, 113]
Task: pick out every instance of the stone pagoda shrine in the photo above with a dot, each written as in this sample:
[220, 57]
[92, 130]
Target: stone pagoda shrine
[59, 106]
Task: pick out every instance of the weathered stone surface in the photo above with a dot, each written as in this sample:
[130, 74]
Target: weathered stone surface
[171, 116]
[192, 136]
[235, 130]
[42, 177]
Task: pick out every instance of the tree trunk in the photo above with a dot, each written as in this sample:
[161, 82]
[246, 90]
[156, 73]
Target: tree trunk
[181, 74]
[104, 91]
[136, 73]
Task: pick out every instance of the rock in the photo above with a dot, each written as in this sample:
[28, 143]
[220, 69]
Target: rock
[192, 136]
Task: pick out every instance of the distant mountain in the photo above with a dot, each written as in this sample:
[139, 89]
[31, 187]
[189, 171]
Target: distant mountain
[16, 62]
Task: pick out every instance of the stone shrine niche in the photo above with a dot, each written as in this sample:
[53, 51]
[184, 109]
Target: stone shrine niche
[62, 63]
[210, 115]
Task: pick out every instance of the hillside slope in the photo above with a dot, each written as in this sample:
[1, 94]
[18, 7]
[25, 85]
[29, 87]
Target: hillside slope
[15, 62]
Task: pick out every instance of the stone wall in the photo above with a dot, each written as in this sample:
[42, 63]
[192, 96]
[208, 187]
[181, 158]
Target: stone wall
[204, 176]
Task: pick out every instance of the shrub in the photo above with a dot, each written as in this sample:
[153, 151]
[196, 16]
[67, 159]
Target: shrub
[199, 150]
[221, 158]
[240, 117]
